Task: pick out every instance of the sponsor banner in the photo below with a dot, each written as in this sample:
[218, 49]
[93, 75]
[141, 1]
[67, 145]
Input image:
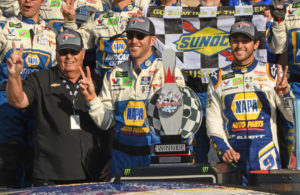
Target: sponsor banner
[200, 36]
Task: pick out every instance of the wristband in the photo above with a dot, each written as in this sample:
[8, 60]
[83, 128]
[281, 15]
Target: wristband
[90, 99]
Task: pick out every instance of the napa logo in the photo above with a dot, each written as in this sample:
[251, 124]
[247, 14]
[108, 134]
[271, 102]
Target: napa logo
[135, 114]
[246, 106]
[32, 60]
[81, 4]
[207, 41]
[118, 46]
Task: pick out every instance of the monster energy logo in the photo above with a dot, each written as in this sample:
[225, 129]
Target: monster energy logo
[127, 171]
[205, 169]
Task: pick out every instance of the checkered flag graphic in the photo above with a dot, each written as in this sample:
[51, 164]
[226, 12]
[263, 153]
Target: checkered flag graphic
[192, 113]
[199, 35]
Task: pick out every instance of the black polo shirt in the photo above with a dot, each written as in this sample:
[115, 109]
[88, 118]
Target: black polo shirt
[60, 152]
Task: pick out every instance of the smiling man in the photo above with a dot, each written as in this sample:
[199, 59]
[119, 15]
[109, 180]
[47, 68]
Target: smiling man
[69, 147]
[125, 93]
[241, 105]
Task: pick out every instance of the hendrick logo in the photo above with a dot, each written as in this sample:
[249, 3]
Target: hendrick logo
[170, 148]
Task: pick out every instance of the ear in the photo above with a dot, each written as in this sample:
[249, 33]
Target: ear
[153, 39]
[256, 44]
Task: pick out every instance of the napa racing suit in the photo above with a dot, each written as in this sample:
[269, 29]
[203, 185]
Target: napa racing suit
[39, 45]
[285, 36]
[9, 8]
[122, 103]
[51, 13]
[241, 114]
[105, 32]
[2, 22]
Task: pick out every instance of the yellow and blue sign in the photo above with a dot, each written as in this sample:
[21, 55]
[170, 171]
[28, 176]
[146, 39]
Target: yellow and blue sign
[207, 41]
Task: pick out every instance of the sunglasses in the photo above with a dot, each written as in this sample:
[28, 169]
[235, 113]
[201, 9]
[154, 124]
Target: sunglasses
[64, 52]
[138, 35]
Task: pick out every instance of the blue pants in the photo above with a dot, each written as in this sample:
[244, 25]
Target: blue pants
[17, 129]
[121, 160]
[202, 141]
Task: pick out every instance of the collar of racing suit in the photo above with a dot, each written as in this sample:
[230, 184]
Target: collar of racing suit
[241, 69]
[126, 8]
[27, 20]
[146, 63]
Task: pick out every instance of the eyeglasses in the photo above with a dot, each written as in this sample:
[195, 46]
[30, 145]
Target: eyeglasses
[138, 35]
[64, 52]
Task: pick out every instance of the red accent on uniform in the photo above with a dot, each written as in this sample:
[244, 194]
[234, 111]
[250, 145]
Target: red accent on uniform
[260, 172]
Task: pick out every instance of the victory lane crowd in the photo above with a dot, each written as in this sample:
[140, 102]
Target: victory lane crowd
[71, 71]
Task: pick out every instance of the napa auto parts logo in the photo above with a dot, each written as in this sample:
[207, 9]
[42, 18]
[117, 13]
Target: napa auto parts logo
[208, 41]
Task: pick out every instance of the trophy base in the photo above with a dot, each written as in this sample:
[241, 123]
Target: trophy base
[171, 150]
[171, 159]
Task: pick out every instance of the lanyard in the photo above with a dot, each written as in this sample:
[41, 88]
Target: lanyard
[73, 94]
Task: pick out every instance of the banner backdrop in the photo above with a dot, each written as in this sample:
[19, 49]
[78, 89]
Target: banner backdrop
[199, 35]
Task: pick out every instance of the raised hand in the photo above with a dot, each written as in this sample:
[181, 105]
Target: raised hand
[15, 63]
[278, 10]
[282, 86]
[68, 10]
[86, 85]
[140, 12]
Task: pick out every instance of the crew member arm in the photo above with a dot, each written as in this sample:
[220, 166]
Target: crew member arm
[277, 38]
[86, 30]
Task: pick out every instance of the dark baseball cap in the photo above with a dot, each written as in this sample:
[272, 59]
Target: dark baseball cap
[69, 39]
[141, 24]
[244, 27]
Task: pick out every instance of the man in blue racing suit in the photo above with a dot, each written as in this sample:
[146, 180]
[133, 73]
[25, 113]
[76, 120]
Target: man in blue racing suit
[241, 105]
[126, 91]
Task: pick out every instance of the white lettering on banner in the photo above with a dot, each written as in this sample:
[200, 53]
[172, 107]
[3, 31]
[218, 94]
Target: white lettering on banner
[170, 148]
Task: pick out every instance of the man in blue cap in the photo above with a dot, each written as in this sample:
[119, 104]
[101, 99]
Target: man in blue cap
[241, 105]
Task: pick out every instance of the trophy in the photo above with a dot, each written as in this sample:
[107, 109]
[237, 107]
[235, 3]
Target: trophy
[174, 113]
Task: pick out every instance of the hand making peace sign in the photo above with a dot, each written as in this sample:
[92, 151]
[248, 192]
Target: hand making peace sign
[15, 63]
[68, 10]
[86, 85]
[282, 86]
